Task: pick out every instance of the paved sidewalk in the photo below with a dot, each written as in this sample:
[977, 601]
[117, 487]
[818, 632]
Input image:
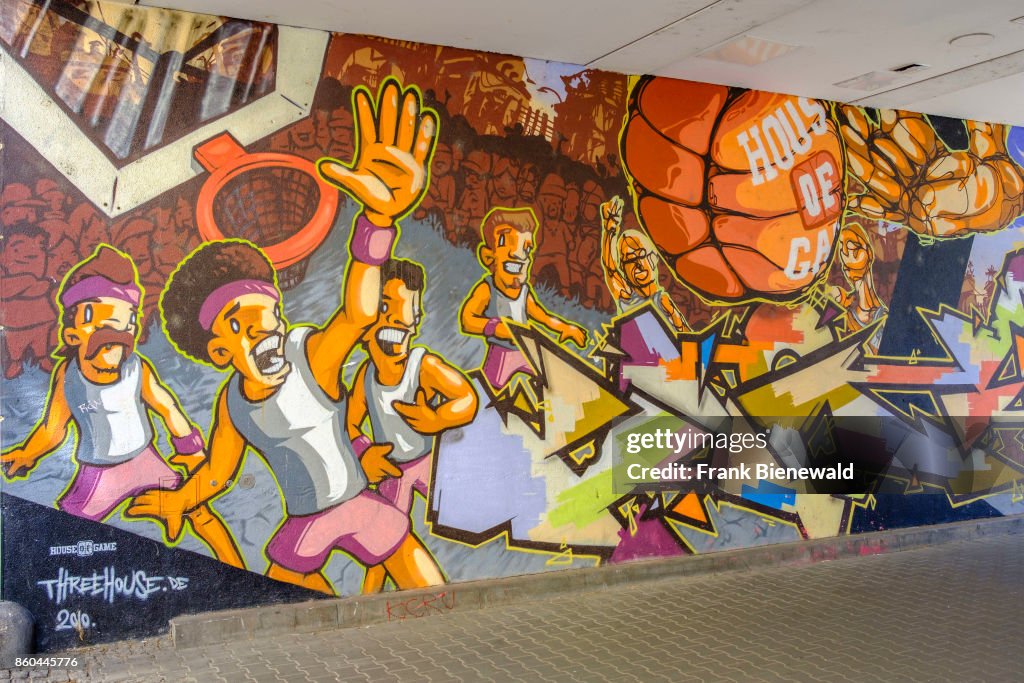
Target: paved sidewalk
[943, 613]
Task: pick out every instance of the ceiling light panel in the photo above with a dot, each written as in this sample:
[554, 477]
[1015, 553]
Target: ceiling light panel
[842, 41]
[718, 22]
[747, 50]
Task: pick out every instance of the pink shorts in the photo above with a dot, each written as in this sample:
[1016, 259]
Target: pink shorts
[366, 527]
[97, 489]
[415, 477]
[501, 363]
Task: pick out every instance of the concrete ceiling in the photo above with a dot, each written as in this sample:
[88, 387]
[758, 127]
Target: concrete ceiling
[822, 42]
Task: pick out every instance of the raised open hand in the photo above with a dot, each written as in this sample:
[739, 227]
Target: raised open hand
[912, 178]
[389, 173]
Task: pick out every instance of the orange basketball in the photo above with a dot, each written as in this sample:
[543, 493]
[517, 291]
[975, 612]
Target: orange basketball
[740, 190]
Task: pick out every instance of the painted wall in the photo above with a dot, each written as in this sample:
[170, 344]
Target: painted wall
[211, 399]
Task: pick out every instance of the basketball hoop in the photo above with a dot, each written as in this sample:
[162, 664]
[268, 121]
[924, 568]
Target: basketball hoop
[277, 201]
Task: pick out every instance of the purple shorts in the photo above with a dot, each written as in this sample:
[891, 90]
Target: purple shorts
[366, 527]
[501, 363]
[97, 489]
[415, 477]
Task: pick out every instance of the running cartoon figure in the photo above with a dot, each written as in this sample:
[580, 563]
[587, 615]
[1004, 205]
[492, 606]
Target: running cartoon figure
[284, 397]
[631, 267]
[508, 242]
[106, 389]
[406, 393]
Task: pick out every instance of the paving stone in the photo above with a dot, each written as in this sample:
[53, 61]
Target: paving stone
[945, 612]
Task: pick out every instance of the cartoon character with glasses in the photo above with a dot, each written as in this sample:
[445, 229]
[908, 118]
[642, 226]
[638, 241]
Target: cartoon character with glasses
[631, 267]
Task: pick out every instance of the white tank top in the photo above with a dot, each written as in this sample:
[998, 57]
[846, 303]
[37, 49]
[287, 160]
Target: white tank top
[636, 299]
[506, 308]
[113, 423]
[388, 426]
[300, 432]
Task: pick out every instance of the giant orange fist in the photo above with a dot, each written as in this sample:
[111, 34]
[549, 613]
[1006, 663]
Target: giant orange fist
[912, 178]
[741, 191]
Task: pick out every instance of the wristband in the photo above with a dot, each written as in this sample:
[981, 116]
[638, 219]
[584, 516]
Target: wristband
[491, 327]
[371, 244]
[188, 444]
[360, 444]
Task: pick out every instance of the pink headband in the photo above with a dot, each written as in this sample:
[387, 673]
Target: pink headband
[220, 297]
[95, 286]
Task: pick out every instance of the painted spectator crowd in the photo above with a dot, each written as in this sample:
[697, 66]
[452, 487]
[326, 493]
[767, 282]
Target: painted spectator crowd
[473, 173]
[47, 228]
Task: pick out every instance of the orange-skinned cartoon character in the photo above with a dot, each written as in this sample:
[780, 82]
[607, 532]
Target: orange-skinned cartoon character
[103, 387]
[862, 304]
[407, 394]
[631, 267]
[505, 295]
[284, 398]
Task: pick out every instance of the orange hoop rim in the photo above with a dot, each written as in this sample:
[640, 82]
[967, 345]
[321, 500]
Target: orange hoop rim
[292, 249]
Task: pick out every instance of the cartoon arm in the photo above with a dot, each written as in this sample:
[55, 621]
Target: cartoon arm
[48, 434]
[669, 308]
[388, 176]
[912, 178]
[372, 456]
[442, 386]
[214, 476]
[185, 437]
[566, 331]
[472, 315]
[611, 214]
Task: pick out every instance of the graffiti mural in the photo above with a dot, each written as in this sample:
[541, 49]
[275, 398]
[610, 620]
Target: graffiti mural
[289, 315]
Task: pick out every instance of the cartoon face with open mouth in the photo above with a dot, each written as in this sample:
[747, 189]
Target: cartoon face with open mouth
[268, 356]
[513, 256]
[637, 260]
[248, 334]
[108, 348]
[400, 315]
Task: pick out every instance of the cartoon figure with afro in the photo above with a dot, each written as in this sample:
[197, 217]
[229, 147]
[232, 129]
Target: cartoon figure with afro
[284, 398]
[107, 390]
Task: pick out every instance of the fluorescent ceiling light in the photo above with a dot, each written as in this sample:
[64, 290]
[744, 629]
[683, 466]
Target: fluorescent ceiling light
[747, 50]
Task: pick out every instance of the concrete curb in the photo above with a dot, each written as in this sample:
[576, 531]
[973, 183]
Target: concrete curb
[364, 610]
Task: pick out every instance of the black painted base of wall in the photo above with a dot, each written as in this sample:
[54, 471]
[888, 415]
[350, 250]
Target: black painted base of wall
[85, 582]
